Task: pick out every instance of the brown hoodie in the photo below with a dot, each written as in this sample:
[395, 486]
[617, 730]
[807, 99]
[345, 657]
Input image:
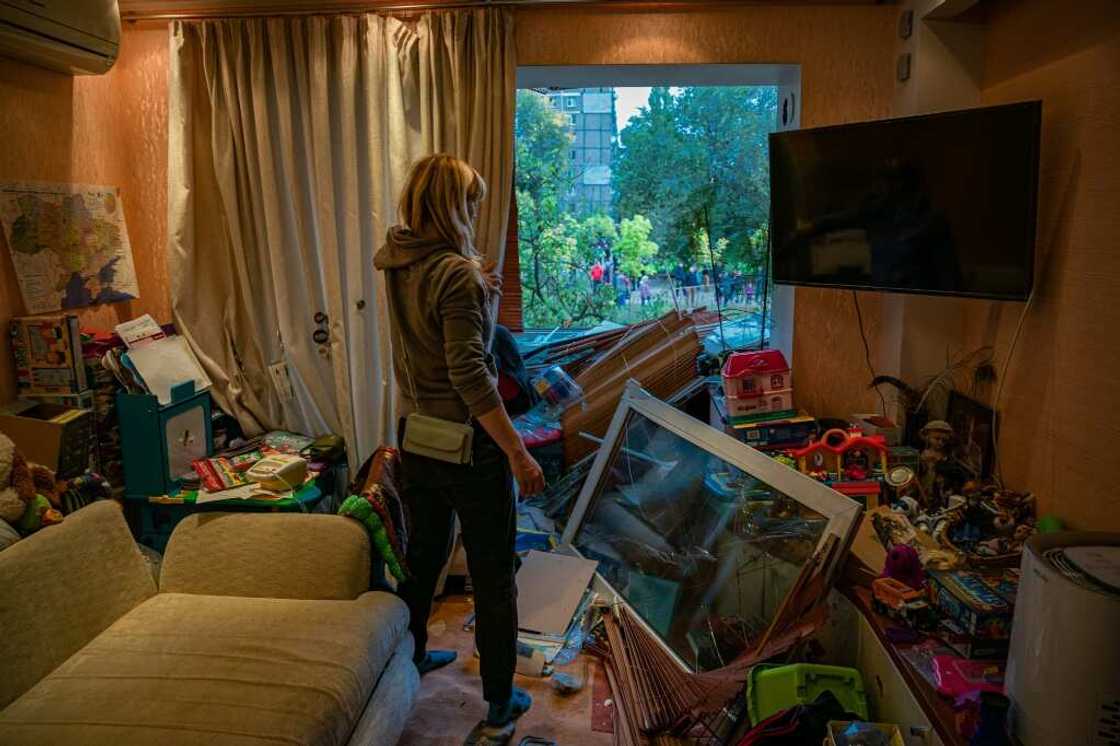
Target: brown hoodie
[438, 311]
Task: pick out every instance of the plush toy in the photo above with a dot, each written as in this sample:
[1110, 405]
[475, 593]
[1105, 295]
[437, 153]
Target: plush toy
[16, 486]
[904, 565]
[45, 484]
[39, 513]
[26, 491]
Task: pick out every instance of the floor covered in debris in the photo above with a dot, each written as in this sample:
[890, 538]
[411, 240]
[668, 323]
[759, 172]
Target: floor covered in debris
[450, 700]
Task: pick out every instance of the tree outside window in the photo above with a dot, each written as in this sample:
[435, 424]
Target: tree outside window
[688, 217]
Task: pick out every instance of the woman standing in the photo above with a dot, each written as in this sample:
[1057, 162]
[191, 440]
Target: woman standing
[439, 304]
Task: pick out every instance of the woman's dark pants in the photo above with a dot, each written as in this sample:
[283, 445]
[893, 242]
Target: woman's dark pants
[481, 494]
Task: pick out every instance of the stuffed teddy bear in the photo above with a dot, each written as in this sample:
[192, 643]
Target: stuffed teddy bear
[16, 487]
[28, 492]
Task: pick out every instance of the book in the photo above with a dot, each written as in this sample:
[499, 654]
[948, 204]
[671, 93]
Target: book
[221, 473]
[140, 331]
[47, 351]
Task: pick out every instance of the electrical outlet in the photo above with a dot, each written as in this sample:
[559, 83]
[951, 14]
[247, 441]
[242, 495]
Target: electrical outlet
[903, 68]
[906, 24]
[281, 380]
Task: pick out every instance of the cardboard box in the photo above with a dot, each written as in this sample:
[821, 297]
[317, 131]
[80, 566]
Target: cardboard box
[967, 646]
[55, 436]
[982, 605]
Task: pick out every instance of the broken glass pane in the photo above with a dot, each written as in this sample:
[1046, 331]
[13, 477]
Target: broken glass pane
[702, 551]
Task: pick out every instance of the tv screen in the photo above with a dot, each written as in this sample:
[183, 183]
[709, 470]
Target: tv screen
[939, 204]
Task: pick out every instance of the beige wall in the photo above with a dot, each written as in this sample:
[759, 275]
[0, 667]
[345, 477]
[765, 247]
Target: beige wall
[847, 74]
[109, 129]
[1061, 398]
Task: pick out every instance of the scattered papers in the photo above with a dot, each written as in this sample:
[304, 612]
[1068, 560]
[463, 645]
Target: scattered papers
[549, 590]
[139, 332]
[164, 363]
[244, 492]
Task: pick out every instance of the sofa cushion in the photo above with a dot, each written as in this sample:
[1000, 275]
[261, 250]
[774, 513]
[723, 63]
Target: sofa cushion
[190, 669]
[60, 588]
[267, 555]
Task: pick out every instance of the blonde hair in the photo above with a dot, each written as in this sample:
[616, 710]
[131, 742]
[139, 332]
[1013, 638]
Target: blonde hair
[441, 200]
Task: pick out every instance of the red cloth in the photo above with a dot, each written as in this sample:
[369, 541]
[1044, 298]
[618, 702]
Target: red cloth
[596, 272]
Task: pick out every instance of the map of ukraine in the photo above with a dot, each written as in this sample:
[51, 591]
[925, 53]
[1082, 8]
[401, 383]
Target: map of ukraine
[69, 245]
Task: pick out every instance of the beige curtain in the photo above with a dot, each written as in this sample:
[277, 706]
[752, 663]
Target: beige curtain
[290, 139]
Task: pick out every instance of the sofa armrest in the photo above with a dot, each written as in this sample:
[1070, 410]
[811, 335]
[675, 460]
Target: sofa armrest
[267, 555]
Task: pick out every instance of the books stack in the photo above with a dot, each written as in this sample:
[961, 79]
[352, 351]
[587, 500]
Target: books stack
[773, 432]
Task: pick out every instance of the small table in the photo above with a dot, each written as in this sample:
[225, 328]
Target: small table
[152, 518]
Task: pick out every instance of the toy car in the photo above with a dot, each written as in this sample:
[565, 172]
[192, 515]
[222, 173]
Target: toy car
[897, 600]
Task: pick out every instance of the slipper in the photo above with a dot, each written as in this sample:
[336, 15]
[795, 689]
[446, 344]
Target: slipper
[516, 706]
[435, 659]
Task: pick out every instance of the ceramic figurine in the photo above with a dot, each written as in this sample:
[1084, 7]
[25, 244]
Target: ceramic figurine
[937, 438]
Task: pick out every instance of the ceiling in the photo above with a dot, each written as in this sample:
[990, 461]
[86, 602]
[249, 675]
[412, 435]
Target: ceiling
[135, 9]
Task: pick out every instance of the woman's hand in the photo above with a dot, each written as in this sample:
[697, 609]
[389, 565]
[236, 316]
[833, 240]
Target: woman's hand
[527, 472]
[525, 468]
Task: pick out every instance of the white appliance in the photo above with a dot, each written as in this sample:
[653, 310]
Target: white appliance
[79, 37]
[1063, 672]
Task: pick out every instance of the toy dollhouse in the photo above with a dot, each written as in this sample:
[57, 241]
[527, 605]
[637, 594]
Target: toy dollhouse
[757, 383]
[848, 461]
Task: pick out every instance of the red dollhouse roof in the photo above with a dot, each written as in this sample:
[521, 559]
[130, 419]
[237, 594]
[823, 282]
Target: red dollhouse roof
[854, 440]
[763, 362]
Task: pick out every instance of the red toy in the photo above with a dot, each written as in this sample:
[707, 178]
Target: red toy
[848, 461]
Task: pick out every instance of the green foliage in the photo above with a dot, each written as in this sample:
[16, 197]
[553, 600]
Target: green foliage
[691, 179]
[696, 164]
[634, 252]
[556, 249]
[542, 143]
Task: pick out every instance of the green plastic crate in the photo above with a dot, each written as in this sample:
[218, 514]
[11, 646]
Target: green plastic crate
[771, 689]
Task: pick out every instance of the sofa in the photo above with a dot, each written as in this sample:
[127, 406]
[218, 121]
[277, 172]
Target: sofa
[260, 630]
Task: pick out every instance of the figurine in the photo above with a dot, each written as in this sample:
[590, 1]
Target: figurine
[937, 437]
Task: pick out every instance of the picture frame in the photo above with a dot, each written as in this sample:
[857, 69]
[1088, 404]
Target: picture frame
[973, 426]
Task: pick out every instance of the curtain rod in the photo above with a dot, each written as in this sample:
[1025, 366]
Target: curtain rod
[421, 5]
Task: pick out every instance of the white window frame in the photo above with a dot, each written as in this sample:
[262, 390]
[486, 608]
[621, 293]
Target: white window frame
[842, 512]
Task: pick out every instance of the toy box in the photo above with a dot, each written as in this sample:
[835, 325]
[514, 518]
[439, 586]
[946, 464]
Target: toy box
[47, 351]
[967, 646]
[756, 373]
[788, 433]
[982, 605]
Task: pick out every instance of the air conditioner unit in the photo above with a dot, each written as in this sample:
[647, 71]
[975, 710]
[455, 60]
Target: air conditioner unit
[79, 37]
[1063, 673]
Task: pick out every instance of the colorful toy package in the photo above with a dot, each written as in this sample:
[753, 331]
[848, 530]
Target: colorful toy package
[957, 676]
[981, 604]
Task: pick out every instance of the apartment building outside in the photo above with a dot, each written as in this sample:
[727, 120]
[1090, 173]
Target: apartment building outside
[590, 113]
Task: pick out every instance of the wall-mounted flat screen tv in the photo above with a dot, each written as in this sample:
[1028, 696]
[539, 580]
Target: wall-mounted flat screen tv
[939, 204]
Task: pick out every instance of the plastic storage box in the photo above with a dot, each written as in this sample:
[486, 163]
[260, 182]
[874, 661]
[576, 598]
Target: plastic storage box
[771, 689]
[836, 728]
